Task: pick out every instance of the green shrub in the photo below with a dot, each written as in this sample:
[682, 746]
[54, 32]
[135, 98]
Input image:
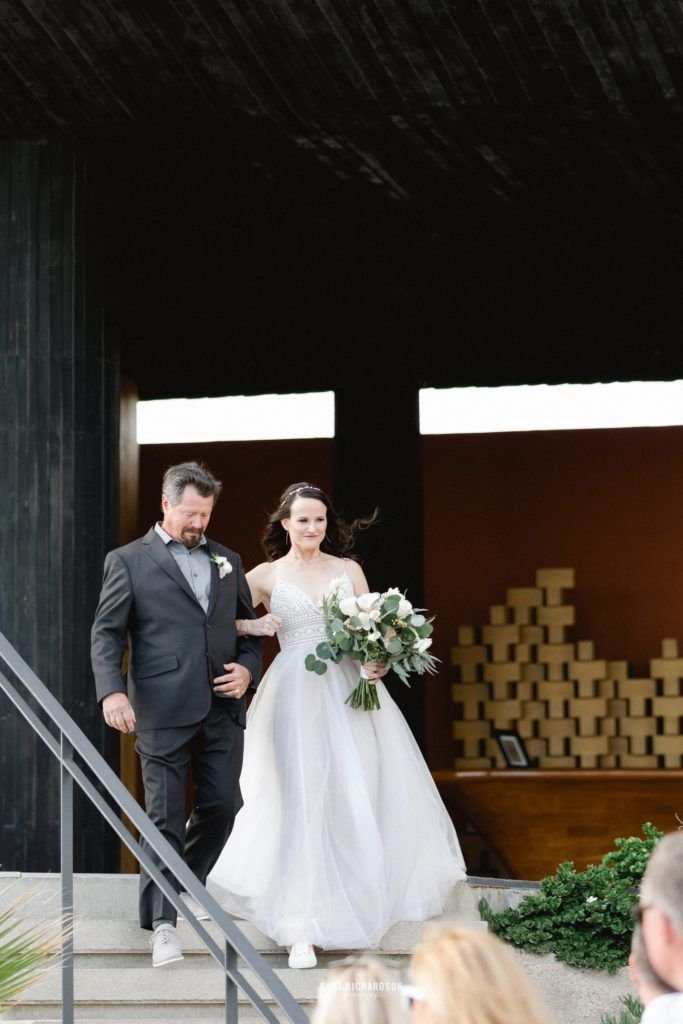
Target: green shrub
[583, 917]
[631, 1014]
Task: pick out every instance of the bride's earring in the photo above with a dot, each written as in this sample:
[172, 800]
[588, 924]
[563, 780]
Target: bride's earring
[287, 541]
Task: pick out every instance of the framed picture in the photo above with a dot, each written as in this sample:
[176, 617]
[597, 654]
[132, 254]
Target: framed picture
[512, 748]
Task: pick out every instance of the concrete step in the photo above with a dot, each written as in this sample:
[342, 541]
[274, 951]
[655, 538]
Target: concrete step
[115, 896]
[113, 976]
[114, 979]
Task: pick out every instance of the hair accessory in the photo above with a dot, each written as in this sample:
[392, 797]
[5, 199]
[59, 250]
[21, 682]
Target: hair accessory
[297, 490]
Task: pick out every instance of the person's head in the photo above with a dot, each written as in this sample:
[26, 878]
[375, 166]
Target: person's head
[188, 494]
[471, 976]
[364, 992]
[647, 982]
[305, 517]
[660, 909]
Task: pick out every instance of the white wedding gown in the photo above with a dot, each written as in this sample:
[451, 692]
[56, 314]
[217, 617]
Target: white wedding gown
[342, 832]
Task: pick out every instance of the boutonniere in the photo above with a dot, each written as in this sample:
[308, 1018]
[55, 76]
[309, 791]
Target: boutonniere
[223, 564]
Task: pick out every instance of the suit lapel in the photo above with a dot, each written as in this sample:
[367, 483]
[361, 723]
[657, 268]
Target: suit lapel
[158, 551]
[213, 593]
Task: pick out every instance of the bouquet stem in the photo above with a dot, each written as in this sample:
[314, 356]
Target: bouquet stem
[364, 696]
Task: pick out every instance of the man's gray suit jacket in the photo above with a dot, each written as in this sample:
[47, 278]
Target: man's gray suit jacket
[175, 648]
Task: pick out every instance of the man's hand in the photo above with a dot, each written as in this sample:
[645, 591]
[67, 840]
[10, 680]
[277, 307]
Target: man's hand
[118, 712]
[234, 683]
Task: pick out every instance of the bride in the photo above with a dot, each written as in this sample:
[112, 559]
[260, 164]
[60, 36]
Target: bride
[343, 832]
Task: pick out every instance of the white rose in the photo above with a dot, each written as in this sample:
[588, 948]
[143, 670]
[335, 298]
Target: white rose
[404, 608]
[364, 620]
[422, 644]
[366, 601]
[348, 606]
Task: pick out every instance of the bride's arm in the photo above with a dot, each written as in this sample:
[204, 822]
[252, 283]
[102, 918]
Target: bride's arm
[260, 584]
[373, 669]
[357, 576]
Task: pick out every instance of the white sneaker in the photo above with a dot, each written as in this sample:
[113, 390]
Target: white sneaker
[165, 945]
[193, 907]
[302, 954]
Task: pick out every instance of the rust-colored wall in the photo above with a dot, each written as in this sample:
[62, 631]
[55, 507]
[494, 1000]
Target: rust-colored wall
[608, 503]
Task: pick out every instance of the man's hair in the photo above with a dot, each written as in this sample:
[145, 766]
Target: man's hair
[190, 474]
[662, 883]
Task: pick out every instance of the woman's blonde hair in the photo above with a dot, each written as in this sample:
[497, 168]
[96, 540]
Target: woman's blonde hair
[470, 976]
[363, 992]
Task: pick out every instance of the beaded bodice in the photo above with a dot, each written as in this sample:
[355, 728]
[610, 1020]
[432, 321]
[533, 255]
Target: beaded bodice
[302, 620]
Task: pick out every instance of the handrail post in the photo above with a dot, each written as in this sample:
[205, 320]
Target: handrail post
[231, 1009]
[72, 739]
[67, 867]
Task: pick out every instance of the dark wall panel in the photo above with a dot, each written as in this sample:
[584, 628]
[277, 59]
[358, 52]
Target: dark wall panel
[58, 423]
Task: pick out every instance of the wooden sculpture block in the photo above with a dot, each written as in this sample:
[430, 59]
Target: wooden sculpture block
[555, 620]
[468, 662]
[503, 714]
[556, 695]
[557, 762]
[532, 672]
[502, 677]
[670, 672]
[532, 635]
[641, 761]
[587, 675]
[638, 694]
[498, 615]
[670, 750]
[554, 582]
[670, 709]
[467, 636]
[670, 647]
[500, 639]
[646, 726]
[588, 711]
[470, 698]
[557, 657]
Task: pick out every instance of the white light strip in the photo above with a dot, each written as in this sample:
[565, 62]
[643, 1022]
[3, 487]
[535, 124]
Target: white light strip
[238, 418]
[551, 407]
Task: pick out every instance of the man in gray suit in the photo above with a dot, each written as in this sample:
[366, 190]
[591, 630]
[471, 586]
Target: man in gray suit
[170, 599]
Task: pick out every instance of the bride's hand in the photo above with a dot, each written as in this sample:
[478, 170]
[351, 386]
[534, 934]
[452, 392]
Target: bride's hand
[266, 625]
[373, 671]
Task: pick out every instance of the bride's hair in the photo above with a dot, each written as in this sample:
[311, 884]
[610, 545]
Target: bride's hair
[339, 534]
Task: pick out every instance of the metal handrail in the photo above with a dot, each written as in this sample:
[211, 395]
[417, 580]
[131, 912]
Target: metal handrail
[73, 741]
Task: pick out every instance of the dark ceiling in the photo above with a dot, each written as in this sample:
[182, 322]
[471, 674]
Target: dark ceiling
[300, 188]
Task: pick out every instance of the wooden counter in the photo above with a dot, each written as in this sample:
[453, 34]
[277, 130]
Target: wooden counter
[534, 820]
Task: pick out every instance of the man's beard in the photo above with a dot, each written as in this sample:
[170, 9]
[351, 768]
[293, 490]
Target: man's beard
[191, 541]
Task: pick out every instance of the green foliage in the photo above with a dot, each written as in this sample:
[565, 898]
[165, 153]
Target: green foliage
[583, 917]
[631, 1014]
[26, 950]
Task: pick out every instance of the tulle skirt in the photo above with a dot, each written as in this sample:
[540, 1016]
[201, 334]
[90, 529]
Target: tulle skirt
[343, 832]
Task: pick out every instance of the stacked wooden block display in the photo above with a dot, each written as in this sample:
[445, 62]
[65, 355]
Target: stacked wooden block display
[571, 709]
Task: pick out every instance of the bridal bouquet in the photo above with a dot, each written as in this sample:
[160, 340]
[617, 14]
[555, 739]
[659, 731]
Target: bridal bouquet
[383, 628]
